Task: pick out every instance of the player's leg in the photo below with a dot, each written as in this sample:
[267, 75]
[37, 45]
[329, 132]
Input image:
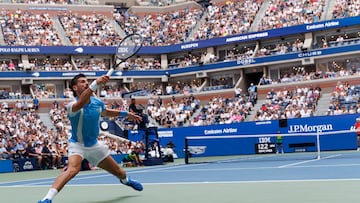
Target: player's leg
[110, 165]
[73, 168]
[99, 155]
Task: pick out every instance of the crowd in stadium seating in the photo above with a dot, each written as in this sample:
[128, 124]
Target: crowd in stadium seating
[297, 103]
[24, 135]
[346, 8]
[26, 28]
[143, 64]
[281, 48]
[341, 40]
[345, 99]
[289, 13]
[221, 19]
[175, 113]
[160, 29]
[50, 64]
[6, 94]
[41, 91]
[298, 75]
[233, 17]
[7, 66]
[89, 29]
[171, 88]
[94, 64]
[49, 1]
[224, 111]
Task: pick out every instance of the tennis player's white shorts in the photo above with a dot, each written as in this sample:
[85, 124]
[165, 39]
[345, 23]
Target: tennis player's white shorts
[94, 154]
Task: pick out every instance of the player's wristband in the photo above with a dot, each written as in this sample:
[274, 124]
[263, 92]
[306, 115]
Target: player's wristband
[93, 86]
[123, 113]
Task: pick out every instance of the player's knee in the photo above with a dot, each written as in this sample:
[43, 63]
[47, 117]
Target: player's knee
[72, 171]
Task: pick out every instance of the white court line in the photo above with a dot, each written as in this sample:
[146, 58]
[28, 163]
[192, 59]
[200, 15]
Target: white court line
[243, 158]
[307, 161]
[159, 170]
[163, 168]
[199, 183]
[87, 176]
[253, 168]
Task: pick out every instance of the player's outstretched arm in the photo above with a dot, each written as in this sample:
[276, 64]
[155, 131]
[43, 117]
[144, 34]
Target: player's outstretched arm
[117, 113]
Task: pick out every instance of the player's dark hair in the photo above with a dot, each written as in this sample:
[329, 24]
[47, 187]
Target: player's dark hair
[74, 81]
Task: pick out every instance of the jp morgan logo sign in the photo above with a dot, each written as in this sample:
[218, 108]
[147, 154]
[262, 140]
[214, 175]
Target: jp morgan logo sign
[309, 128]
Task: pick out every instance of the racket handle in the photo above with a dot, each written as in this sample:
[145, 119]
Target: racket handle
[110, 72]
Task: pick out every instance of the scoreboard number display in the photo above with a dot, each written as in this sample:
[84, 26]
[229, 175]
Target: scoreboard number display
[265, 146]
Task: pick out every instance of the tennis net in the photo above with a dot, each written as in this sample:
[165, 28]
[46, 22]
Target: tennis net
[200, 149]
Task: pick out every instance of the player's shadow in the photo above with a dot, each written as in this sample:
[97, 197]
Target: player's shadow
[117, 199]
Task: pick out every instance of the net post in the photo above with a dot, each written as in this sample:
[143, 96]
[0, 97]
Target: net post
[318, 143]
[186, 150]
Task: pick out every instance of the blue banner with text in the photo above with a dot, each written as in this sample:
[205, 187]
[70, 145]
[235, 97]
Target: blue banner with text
[158, 73]
[247, 146]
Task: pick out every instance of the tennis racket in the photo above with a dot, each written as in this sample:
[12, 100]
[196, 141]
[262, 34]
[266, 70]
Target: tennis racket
[127, 48]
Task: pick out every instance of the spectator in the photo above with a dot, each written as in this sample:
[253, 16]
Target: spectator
[4, 154]
[20, 153]
[133, 108]
[252, 89]
[31, 152]
[47, 161]
[36, 103]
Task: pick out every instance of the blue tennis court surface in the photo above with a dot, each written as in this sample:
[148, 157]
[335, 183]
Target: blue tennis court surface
[332, 165]
[299, 176]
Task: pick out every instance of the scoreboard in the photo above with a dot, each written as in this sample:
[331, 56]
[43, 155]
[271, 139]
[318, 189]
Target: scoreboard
[265, 146]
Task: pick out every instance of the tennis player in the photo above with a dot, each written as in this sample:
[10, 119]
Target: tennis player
[84, 114]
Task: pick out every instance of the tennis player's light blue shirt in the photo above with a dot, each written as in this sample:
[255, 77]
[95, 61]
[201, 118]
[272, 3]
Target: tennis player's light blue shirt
[85, 122]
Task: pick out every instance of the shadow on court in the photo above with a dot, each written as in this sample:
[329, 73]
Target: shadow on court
[118, 199]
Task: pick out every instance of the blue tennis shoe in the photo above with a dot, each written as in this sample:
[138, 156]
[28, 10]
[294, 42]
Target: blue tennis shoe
[45, 201]
[132, 183]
